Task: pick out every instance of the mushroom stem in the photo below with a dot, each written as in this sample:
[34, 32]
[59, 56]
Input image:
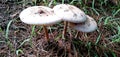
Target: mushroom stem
[46, 33]
[65, 28]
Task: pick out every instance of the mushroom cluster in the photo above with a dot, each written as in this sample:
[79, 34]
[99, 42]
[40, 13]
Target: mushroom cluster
[75, 17]
[71, 15]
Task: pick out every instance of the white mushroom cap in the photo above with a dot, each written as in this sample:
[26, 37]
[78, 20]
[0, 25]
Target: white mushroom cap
[39, 15]
[69, 13]
[89, 25]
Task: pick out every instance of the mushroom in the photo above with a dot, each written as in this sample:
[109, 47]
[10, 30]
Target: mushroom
[88, 26]
[69, 13]
[39, 15]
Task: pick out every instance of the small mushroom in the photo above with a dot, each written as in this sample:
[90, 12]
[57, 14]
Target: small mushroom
[39, 15]
[69, 13]
[88, 26]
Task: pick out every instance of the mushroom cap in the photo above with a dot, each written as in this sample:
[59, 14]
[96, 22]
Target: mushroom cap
[69, 13]
[89, 25]
[39, 15]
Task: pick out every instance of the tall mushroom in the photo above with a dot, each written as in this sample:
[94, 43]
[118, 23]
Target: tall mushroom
[39, 15]
[69, 13]
[88, 26]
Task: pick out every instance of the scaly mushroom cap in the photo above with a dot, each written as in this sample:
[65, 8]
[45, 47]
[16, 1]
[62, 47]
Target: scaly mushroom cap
[69, 13]
[39, 15]
[88, 26]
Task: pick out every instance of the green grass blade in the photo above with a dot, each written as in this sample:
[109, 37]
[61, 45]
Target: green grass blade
[62, 1]
[95, 11]
[118, 30]
[26, 40]
[93, 3]
[33, 31]
[118, 11]
[107, 20]
[19, 51]
[98, 39]
[7, 30]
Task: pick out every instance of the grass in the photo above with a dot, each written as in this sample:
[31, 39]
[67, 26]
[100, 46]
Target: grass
[6, 34]
[104, 42]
